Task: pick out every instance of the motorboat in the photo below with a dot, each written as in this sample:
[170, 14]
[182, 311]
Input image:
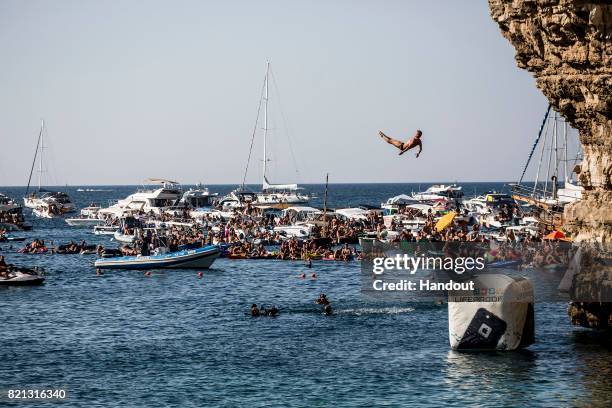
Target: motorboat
[47, 209]
[393, 204]
[105, 229]
[60, 200]
[299, 230]
[237, 199]
[90, 211]
[21, 277]
[198, 197]
[146, 201]
[7, 204]
[89, 217]
[200, 258]
[84, 222]
[124, 238]
[301, 213]
[11, 215]
[439, 192]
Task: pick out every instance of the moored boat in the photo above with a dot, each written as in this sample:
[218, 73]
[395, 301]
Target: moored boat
[21, 277]
[192, 258]
[84, 222]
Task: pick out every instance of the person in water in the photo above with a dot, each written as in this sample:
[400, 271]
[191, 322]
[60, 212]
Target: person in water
[3, 268]
[413, 142]
[322, 300]
[255, 311]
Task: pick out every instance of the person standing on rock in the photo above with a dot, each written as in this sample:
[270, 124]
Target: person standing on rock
[414, 141]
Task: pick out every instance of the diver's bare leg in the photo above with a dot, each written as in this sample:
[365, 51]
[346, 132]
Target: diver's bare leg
[392, 141]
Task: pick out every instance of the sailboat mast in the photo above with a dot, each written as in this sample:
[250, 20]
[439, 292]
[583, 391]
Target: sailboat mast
[42, 146]
[265, 128]
[567, 178]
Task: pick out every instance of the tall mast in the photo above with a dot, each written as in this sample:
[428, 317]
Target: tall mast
[567, 178]
[42, 146]
[265, 128]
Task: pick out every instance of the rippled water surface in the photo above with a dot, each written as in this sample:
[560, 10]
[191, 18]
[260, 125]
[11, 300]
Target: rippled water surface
[124, 339]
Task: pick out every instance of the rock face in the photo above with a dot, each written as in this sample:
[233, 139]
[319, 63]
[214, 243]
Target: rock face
[567, 46]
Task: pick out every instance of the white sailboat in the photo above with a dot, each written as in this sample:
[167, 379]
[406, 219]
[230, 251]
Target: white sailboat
[275, 195]
[45, 204]
[546, 194]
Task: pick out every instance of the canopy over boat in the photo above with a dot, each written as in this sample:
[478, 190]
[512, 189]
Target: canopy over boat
[160, 181]
[353, 213]
[302, 209]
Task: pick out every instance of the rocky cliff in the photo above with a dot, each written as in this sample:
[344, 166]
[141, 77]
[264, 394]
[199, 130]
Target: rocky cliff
[567, 46]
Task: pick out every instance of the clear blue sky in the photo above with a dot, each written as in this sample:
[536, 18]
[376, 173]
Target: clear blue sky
[137, 89]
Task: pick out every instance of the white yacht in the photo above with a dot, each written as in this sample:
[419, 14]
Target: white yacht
[439, 192]
[237, 198]
[147, 201]
[89, 217]
[197, 197]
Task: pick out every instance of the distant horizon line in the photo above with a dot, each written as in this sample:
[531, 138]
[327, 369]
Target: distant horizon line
[258, 184]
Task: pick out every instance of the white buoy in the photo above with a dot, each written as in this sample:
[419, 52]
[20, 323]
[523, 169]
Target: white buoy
[497, 315]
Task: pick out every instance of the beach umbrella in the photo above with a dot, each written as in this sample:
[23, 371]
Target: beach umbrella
[555, 235]
[445, 221]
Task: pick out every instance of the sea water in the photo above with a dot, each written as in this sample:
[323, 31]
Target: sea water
[125, 339]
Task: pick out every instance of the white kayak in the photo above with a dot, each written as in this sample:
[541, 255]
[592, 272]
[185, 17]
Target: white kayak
[190, 258]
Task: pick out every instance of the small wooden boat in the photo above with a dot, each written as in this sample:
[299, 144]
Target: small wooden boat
[191, 258]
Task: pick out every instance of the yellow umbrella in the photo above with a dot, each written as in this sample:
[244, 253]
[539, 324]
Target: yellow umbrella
[445, 221]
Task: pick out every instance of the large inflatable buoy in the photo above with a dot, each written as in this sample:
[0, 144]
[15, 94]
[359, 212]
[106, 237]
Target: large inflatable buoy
[497, 315]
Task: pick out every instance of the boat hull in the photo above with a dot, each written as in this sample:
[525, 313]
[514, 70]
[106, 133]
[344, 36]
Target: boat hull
[201, 258]
[84, 222]
[23, 280]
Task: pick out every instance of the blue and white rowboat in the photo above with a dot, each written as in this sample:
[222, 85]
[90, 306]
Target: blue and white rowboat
[190, 258]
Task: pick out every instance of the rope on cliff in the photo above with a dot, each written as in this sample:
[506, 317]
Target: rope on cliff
[535, 144]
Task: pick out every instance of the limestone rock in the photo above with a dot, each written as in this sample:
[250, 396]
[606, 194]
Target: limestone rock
[567, 46]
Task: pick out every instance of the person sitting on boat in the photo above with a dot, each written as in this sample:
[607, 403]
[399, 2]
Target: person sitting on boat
[411, 143]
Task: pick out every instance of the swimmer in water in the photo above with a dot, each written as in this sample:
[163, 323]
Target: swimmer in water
[255, 311]
[413, 142]
[322, 300]
[272, 312]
